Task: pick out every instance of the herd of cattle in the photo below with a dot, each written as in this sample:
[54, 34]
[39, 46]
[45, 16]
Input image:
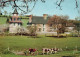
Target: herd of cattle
[32, 51]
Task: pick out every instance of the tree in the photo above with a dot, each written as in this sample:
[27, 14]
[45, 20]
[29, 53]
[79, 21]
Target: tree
[24, 6]
[77, 26]
[59, 23]
[27, 4]
[5, 12]
[10, 14]
[0, 12]
[32, 30]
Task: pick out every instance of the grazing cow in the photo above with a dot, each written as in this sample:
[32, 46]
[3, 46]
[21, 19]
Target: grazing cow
[32, 51]
[54, 50]
[46, 50]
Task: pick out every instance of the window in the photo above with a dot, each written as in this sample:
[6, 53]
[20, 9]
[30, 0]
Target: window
[18, 23]
[43, 29]
[10, 19]
[43, 25]
[19, 19]
[14, 19]
[39, 29]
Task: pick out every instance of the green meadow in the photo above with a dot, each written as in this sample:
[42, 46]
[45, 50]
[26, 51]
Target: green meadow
[3, 20]
[26, 42]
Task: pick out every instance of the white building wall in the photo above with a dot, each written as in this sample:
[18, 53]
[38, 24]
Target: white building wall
[13, 28]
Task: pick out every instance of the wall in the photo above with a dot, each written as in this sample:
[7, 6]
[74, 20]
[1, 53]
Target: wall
[13, 28]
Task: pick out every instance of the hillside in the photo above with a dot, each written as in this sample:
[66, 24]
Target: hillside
[3, 21]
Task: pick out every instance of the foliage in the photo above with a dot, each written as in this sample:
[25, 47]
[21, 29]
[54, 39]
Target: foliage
[77, 26]
[28, 3]
[32, 30]
[58, 22]
[14, 4]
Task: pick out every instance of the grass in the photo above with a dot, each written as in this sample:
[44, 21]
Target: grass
[22, 42]
[28, 42]
[24, 21]
[3, 20]
[60, 54]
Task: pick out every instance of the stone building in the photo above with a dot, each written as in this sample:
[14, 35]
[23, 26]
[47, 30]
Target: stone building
[40, 22]
[14, 22]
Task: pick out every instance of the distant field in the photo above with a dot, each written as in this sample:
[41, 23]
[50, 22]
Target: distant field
[24, 21]
[3, 21]
[22, 42]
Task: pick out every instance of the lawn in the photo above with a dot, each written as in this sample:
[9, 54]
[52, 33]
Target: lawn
[22, 42]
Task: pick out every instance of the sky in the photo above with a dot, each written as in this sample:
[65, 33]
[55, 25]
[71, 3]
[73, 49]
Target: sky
[49, 7]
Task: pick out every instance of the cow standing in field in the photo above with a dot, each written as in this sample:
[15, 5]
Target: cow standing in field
[32, 51]
[54, 50]
[46, 50]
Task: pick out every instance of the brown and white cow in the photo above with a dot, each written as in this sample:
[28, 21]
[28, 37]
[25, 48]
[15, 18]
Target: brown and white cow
[32, 51]
[46, 50]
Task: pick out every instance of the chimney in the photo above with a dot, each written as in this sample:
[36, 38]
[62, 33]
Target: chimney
[45, 16]
[30, 18]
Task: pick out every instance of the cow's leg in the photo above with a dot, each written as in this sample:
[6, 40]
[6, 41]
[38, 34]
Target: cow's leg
[55, 51]
[43, 52]
[33, 53]
[47, 52]
[51, 51]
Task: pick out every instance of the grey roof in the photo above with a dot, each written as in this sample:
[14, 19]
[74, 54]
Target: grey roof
[39, 20]
[15, 11]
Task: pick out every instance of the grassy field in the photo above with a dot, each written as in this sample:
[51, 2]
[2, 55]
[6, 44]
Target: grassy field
[22, 42]
[3, 20]
[24, 21]
[51, 55]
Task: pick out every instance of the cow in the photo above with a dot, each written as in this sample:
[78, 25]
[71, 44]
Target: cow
[32, 51]
[46, 50]
[54, 50]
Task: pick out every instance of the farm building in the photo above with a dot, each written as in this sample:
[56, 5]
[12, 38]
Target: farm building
[14, 22]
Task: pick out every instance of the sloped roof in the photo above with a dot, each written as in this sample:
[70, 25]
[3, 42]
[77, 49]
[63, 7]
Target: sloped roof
[39, 20]
[15, 11]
